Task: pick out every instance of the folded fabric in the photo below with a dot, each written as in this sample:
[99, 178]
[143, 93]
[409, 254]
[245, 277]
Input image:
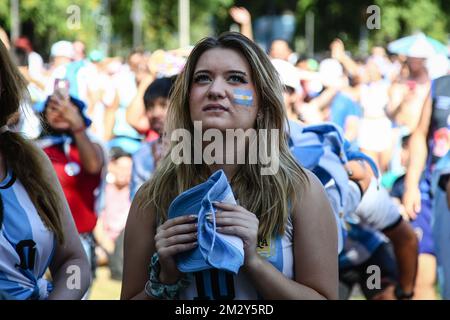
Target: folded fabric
[214, 250]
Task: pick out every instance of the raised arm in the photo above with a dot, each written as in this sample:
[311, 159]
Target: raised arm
[418, 148]
[242, 16]
[338, 53]
[135, 115]
[396, 95]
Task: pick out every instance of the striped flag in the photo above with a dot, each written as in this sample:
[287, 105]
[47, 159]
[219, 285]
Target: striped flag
[243, 97]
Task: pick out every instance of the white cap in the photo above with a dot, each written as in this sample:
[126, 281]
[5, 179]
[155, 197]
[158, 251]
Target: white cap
[289, 75]
[421, 48]
[62, 49]
[330, 72]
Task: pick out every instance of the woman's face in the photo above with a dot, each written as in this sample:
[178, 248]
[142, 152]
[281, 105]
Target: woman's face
[222, 94]
[54, 117]
[415, 65]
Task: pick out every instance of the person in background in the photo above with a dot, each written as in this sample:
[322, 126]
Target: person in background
[145, 160]
[112, 220]
[77, 160]
[370, 90]
[343, 110]
[61, 55]
[28, 122]
[127, 82]
[35, 62]
[79, 49]
[280, 49]
[429, 142]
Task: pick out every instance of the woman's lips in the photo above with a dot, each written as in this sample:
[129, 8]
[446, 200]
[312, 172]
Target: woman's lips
[214, 108]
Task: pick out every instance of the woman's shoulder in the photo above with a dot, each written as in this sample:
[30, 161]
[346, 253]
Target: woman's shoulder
[141, 203]
[312, 183]
[312, 195]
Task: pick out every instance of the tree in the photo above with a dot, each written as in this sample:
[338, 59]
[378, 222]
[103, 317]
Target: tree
[46, 22]
[161, 21]
[399, 18]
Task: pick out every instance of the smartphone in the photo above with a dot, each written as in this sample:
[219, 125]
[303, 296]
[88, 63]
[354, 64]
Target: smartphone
[61, 88]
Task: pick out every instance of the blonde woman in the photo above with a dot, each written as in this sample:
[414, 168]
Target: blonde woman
[283, 219]
[36, 228]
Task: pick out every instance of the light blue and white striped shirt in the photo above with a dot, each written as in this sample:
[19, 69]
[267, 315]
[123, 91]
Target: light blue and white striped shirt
[26, 245]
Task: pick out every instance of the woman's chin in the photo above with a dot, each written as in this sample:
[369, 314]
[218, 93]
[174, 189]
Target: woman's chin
[217, 123]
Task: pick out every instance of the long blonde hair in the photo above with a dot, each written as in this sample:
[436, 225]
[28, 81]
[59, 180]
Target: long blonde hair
[268, 196]
[20, 156]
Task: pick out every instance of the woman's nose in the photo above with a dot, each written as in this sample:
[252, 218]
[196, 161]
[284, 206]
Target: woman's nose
[217, 90]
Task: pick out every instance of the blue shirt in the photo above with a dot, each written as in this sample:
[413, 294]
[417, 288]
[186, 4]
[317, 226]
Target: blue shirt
[343, 107]
[143, 167]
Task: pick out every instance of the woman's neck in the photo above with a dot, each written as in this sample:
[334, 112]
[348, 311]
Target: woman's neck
[228, 157]
[229, 169]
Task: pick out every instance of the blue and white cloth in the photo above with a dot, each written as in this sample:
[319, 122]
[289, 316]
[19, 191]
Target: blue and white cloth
[26, 245]
[320, 148]
[214, 250]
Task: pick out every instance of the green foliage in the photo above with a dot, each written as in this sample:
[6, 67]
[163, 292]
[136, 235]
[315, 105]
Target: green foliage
[160, 26]
[50, 21]
[401, 18]
[347, 19]
[47, 20]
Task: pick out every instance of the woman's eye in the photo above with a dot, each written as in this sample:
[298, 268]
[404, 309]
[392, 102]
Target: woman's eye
[202, 78]
[237, 78]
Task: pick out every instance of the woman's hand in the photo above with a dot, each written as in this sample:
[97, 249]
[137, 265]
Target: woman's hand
[337, 49]
[412, 202]
[68, 111]
[240, 15]
[172, 237]
[235, 220]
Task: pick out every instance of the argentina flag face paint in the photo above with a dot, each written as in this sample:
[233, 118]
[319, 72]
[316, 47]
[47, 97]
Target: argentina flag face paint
[243, 97]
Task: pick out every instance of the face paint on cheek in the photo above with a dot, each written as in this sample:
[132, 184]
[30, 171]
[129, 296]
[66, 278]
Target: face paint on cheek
[243, 97]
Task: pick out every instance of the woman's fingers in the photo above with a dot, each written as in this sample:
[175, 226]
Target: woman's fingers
[176, 235]
[236, 214]
[178, 220]
[239, 231]
[234, 219]
[228, 206]
[174, 240]
[182, 238]
[176, 230]
[165, 252]
[233, 208]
